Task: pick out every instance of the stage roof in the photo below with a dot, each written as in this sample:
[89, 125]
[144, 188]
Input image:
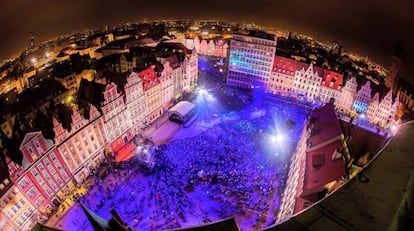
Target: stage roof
[182, 108]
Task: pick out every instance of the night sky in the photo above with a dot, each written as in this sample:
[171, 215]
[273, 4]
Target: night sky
[367, 27]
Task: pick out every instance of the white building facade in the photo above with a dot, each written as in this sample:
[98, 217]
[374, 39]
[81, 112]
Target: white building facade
[251, 60]
[306, 83]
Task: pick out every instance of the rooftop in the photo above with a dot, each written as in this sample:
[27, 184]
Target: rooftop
[368, 201]
[321, 169]
[149, 78]
[324, 125]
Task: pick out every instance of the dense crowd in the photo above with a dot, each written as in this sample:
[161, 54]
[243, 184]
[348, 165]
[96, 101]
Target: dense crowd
[233, 169]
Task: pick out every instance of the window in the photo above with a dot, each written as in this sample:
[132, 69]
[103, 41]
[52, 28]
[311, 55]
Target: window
[34, 172]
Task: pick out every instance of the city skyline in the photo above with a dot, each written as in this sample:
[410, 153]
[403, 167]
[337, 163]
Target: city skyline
[370, 28]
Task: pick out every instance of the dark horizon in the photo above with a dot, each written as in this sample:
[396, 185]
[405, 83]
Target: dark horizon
[370, 28]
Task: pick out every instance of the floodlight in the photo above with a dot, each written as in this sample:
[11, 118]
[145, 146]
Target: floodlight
[280, 138]
[202, 91]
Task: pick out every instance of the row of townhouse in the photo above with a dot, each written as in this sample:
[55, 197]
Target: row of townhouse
[52, 167]
[296, 79]
[254, 64]
[213, 47]
[315, 83]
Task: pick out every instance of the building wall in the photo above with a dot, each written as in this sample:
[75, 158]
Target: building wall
[153, 103]
[306, 83]
[153, 93]
[347, 95]
[45, 179]
[363, 98]
[407, 99]
[295, 178]
[135, 102]
[31, 192]
[203, 47]
[197, 44]
[6, 223]
[372, 109]
[81, 149]
[18, 212]
[116, 121]
[283, 73]
[177, 79]
[331, 85]
[167, 86]
[250, 61]
[211, 47]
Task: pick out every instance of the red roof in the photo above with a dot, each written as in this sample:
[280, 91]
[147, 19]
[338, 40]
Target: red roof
[149, 78]
[325, 125]
[174, 62]
[321, 169]
[329, 76]
[301, 65]
[284, 65]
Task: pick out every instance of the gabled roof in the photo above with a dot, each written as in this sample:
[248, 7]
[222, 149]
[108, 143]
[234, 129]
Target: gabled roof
[174, 47]
[91, 92]
[29, 136]
[149, 78]
[98, 223]
[120, 79]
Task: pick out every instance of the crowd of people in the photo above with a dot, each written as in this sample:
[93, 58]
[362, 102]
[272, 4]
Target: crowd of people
[232, 169]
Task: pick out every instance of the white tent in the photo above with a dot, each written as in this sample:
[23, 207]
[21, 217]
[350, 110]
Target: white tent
[181, 110]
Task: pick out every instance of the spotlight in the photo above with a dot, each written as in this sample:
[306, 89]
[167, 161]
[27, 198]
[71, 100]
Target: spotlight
[278, 138]
[202, 91]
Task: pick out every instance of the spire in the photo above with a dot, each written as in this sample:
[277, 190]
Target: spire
[98, 223]
[310, 68]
